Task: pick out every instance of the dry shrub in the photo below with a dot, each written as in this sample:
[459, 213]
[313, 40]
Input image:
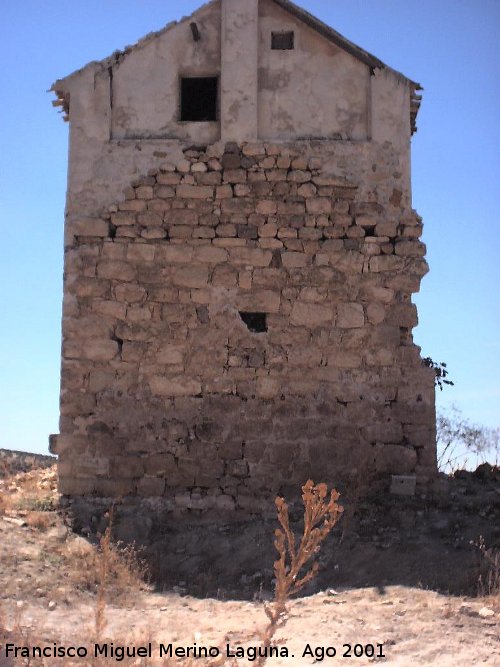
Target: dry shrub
[38, 520]
[294, 569]
[111, 564]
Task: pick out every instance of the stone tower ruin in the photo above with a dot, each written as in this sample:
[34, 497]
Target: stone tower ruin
[240, 257]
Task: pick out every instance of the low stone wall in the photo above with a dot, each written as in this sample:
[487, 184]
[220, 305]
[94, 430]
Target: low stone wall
[241, 321]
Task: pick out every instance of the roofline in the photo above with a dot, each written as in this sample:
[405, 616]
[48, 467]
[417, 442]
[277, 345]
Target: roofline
[356, 51]
[59, 87]
[333, 36]
[118, 55]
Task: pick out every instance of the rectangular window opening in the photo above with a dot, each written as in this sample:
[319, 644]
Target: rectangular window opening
[255, 322]
[199, 99]
[283, 41]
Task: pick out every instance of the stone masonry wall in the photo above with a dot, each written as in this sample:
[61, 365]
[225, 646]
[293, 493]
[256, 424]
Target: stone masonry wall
[167, 392]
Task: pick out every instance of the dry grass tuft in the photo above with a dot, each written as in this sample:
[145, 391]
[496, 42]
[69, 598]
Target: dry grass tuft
[38, 520]
[118, 568]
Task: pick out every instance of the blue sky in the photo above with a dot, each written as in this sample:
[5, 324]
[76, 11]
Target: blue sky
[450, 46]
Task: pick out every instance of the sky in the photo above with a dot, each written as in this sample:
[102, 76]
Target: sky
[452, 47]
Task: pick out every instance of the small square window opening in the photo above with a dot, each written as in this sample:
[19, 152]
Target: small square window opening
[283, 41]
[199, 99]
[255, 322]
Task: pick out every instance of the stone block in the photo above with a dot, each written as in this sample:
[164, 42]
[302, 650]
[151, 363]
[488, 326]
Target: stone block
[375, 313]
[292, 260]
[153, 233]
[174, 254]
[175, 386]
[347, 262]
[389, 229]
[267, 301]
[149, 486]
[71, 486]
[140, 252]
[299, 176]
[395, 459]
[170, 354]
[268, 230]
[144, 192]
[403, 315]
[109, 308]
[161, 464]
[127, 467]
[190, 276]
[168, 178]
[210, 178]
[180, 217]
[410, 248]
[97, 349]
[380, 357]
[90, 227]
[307, 190]
[223, 192]
[150, 219]
[91, 466]
[319, 206]
[340, 359]
[195, 191]
[268, 388]
[267, 207]
[250, 257]
[366, 221]
[311, 315]
[116, 270]
[164, 192]
[224, 275]
[386, 263]
[350, 315]
[238, 206]
[136, 205]
[292, 208]
[210, 255]
[235, 176]
[249, 232]
[71, 445]
[130, 293]
[123, 218]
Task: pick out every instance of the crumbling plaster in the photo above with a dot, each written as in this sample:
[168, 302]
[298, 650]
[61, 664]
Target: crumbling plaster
[315, 90]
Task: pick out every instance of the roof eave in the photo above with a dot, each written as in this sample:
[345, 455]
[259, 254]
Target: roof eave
[117, 56]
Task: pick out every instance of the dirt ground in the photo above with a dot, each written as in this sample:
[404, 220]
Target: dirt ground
[400, 583]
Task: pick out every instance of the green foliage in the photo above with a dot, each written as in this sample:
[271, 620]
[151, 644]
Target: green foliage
[441, 372]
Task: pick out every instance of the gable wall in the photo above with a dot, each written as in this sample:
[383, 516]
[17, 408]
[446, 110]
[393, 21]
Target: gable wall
[146, 83]
[316, 90]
